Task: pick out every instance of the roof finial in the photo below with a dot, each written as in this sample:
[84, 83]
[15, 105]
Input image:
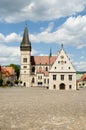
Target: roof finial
[26, 24]
[62, 45]
[50, 52]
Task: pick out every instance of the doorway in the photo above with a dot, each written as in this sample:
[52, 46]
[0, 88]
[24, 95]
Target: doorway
[62, 86]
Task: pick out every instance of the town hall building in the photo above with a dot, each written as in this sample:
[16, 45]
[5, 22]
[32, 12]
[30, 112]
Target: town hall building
[52, 72]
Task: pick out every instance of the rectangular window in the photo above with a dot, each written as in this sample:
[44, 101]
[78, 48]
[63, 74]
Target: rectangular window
[54, 77]
[24, 59]
[24, 66]
[70, 77]
[48, 81]
[39, 77]
[70, 86]
[62, 77]
[44, 81]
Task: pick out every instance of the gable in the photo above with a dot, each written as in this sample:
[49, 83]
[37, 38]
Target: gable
[62, 63]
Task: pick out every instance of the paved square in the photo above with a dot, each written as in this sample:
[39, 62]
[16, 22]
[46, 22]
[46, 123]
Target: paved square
[41, 109]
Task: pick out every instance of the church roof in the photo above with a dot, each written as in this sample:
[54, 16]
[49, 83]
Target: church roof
[36, 60]
[25, 40]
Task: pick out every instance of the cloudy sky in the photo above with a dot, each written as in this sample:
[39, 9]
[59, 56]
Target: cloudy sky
[50, 23]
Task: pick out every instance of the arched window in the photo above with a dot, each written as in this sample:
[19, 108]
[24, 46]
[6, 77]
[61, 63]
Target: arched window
[33, 69]
[54, 86]
[33, 80]
[46, 68]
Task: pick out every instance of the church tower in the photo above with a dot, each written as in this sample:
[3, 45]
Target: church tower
[25, 49]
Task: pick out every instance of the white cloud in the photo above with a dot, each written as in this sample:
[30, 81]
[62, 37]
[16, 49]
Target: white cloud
[34, 52]
[80, 66]
[50, 27]
[82, 57]
[9, 55]
[13, 37]
[73, 31]
[35, 10]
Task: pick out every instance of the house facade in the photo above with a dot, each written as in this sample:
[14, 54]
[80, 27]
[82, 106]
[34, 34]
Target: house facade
[53, 72]
[7, 73]
[81, 83]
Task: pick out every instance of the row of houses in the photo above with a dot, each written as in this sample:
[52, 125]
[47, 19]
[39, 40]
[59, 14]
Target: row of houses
[7, 74]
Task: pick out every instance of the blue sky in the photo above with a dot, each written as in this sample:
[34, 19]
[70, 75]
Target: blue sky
[50, 23]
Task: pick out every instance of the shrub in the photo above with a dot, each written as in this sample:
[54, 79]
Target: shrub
[1, 82]
[16, 82]
[8, 82]
[20, 82]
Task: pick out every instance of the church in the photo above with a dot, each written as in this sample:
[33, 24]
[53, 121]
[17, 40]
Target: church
[52, 72]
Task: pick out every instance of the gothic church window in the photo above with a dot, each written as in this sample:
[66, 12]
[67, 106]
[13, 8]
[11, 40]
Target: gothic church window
[33, 69]
[33, 80]
[46, 68]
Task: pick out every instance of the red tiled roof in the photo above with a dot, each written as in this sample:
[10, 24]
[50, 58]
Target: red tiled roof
[7, 71]
[83, 78]
[41, 71]
[36, 60]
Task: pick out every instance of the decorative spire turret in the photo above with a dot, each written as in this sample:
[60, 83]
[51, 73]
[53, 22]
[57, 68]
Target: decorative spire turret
[50, 52]
[25, 44]
[61, 46]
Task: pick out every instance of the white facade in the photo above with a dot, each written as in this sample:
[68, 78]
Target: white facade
[62, 74]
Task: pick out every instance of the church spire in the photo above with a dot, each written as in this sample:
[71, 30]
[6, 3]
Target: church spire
[25, 41]
[50, 52]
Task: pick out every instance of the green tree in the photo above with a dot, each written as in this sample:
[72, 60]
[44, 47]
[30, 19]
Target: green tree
[1, 81]
[17, 69]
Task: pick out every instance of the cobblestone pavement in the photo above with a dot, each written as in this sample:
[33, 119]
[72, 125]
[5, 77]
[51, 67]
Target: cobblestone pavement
[41, 109]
